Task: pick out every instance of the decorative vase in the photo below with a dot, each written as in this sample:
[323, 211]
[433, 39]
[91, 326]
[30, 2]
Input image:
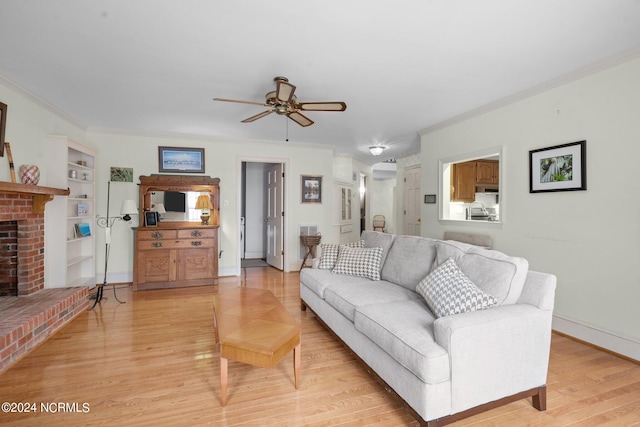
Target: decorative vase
[29, 174]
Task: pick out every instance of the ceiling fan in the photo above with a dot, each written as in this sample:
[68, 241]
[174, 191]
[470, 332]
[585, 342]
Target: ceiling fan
[283, 101]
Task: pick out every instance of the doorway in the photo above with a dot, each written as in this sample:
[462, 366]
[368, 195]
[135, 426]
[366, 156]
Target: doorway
[411, 199]
[262, 214]
[364, 206]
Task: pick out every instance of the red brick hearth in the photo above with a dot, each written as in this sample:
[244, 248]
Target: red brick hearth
[29, 313]
[29, 320]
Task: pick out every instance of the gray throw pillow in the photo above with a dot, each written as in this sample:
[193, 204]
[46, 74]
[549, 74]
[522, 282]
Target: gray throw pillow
[329, 253]
[361, 262]
[448, 291]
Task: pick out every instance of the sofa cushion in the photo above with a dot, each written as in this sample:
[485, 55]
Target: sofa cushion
[494, 272]
[346, 297]
[376, 239]
[409, 260]
[361, 262]
[448, 291]
[329, 253]
[404, 329]
[318, 280]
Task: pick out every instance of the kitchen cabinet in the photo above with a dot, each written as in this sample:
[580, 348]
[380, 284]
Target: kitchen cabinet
[175, 254]
[466, 176]
[463, 182]
[487, 172]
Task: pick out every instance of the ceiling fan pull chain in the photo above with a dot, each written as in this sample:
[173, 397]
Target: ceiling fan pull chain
[287, 122]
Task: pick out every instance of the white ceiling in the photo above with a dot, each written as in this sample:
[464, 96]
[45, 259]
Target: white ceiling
[401, 66]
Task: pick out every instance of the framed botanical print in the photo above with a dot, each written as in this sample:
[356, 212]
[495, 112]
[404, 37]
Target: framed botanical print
[558, 168]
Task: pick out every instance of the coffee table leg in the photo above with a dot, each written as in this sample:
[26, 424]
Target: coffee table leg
[296, 363]
[223, 380]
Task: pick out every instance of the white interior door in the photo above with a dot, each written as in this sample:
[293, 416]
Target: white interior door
[275, 216]
[411, 201]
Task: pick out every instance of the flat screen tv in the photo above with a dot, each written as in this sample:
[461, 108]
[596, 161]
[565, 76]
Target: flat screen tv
[175, 201]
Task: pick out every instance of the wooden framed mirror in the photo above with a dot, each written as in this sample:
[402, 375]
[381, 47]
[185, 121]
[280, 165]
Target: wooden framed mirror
[174, 198]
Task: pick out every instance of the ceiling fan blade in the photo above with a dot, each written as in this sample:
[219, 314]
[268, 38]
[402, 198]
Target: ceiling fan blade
[241, 102]
[322, 106]
[284, 91]
[300, 119]
[257, 116]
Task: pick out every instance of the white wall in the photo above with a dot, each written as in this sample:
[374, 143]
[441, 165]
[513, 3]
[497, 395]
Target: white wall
[29, 121]
[222, 160]
[589, 239]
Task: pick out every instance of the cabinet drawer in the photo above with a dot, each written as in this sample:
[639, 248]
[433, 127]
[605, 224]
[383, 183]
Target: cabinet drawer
[157, 234]
[175, 244]
[197, 233]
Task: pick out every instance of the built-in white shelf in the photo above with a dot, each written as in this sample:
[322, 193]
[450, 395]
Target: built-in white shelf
[70, 260]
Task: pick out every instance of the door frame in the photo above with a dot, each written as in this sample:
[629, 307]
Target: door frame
[286, 192]
[405, 201]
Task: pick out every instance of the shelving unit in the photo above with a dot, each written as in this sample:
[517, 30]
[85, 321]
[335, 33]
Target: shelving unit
[72, 165]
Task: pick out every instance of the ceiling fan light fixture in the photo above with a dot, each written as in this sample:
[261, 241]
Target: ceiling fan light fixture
[281, 109]
[283, 101]
[376, 150]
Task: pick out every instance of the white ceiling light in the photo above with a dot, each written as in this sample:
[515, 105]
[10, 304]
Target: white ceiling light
[376, 150]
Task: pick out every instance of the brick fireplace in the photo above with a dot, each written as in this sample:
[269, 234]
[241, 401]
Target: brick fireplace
[29, 312]
[22, 251]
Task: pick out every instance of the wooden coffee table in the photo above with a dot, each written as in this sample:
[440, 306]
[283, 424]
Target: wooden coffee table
[253, 327]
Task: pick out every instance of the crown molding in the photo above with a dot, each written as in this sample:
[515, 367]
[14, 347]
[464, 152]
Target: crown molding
[202, 137]
[596, 67]
[16, 87]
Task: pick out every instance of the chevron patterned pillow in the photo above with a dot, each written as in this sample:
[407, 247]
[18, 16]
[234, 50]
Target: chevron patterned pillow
[361, 262]
[448, 291]
[329, 253]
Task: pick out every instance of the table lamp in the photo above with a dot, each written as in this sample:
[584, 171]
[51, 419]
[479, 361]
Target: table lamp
[204, 203]
[159, 207]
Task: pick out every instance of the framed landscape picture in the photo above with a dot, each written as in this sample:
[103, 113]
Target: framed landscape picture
[558, 168]
[180, 160]
[311, 189]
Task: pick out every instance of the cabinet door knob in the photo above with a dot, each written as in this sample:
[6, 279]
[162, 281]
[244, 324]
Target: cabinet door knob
[196, 233]
[196, 243]
[156, 235]
[156, 244]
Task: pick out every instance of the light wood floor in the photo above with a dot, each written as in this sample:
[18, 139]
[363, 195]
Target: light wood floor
[152, 361]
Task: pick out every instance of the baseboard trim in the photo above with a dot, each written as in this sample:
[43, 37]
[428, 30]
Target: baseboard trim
[123, 277]
[606, 340]
[228, 271]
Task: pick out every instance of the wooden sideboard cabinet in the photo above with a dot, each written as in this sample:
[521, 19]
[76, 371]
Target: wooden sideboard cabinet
[176, 253]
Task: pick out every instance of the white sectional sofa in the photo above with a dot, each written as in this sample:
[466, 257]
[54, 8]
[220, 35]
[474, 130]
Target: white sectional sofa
[444, 368]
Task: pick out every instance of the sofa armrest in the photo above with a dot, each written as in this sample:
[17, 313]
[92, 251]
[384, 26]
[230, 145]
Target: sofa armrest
[315, 262]
[495, 353]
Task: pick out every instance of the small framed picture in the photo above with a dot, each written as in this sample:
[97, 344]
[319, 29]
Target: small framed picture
[311, 189]
[121, 174]
[151, 219]
[558, 168]
[180, 160]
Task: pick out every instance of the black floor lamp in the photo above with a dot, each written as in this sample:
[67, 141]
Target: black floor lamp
[128, 208]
